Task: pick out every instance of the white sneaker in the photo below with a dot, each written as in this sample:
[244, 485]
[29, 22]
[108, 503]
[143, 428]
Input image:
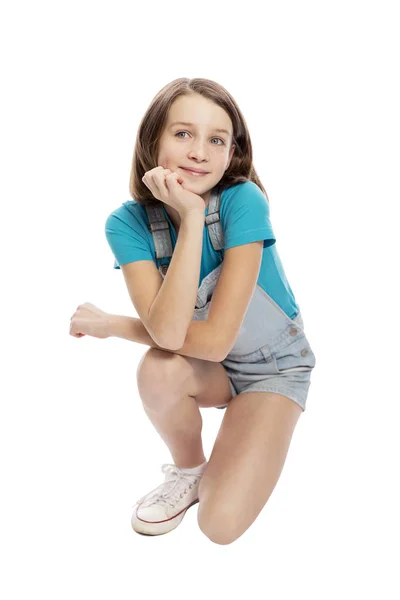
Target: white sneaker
[162, 509]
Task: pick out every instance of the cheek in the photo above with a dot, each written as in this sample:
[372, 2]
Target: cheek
[165, 155]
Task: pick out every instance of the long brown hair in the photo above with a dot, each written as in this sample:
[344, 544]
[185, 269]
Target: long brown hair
[241, 167]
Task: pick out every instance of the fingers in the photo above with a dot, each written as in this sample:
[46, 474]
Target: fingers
[159, 180]
[155, 175]
[171, 179]
[73, 326]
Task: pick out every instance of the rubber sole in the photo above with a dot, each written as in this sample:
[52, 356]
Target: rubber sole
[146, 525]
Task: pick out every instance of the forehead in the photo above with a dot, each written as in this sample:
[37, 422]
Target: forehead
[199, 112]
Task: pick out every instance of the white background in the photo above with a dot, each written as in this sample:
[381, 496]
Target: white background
[318, 85]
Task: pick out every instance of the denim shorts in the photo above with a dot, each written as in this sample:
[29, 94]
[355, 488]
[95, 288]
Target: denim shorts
[283, 367]
[271, 352]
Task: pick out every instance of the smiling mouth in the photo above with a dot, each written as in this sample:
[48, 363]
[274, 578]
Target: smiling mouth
[195, 173]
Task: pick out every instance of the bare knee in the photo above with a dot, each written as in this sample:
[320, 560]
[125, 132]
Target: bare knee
[160, 376]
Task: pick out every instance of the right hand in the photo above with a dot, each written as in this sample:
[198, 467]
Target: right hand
[165, 185]
[89, 319]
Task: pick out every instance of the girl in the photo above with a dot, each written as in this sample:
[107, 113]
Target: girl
[198, 254]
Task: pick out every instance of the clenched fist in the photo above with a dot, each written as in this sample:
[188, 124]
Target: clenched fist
[88, 319]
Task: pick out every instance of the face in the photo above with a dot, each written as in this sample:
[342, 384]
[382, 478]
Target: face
[199, 145]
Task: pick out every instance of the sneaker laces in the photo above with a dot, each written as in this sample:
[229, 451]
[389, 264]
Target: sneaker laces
[175, 476]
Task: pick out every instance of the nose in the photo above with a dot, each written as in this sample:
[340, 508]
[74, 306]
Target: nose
[198, 149]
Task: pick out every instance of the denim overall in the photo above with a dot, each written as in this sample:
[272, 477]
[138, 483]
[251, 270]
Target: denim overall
[271, 352]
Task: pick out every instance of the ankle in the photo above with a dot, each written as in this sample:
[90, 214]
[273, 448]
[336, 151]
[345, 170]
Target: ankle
[191, 465]
[197, 470]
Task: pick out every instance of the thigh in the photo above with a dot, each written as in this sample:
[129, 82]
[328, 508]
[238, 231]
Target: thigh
[204, 380]
[250, 448]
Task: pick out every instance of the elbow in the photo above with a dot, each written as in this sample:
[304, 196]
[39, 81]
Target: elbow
[218, 349]
[219, 353]
[165, 339]
[168, 342]
[172, 346]
[222, 350]
[219, 358]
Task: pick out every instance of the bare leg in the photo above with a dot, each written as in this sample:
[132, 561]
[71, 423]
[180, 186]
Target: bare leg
[179, 424]
[172, 387]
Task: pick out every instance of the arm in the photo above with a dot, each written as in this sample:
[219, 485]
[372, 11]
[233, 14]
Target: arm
[172, 310]
[199, 342]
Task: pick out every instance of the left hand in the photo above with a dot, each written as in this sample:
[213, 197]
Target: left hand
[88, 319]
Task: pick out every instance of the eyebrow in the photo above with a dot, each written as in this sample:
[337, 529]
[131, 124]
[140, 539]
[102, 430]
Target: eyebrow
[192, 125]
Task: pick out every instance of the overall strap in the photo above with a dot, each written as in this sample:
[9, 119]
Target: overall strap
[159, 228]
[213, 221]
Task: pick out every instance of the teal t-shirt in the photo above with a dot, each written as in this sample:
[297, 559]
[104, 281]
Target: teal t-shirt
[244, 217]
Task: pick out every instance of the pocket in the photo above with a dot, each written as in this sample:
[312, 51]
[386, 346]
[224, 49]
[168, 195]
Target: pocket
[298, 356]
[256, 357]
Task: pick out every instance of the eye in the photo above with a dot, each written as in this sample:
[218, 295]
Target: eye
[222, 141]
[219, 140]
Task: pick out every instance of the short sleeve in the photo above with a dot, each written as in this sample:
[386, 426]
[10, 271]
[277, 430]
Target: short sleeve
[126, 238]
[246, 216]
